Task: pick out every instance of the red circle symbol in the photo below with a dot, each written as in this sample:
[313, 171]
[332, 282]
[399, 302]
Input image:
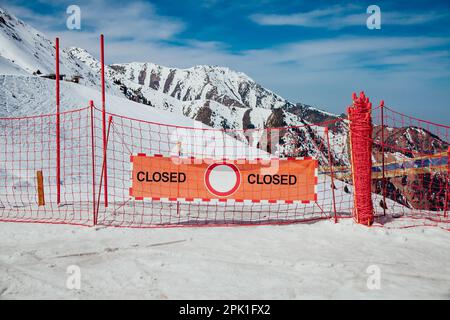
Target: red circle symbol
[222, 179]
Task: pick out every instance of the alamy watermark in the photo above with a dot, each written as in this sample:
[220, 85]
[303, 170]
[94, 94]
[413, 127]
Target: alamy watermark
[246, 146]
[374, 279]
[73, 281]
[374, 20]
[73, 21]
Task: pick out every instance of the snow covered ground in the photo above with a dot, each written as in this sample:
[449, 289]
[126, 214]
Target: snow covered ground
[305, 261]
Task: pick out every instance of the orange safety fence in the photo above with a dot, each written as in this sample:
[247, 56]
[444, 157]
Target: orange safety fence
[393, 172]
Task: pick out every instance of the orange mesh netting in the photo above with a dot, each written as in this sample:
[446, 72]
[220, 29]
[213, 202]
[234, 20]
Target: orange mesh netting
[361, 145]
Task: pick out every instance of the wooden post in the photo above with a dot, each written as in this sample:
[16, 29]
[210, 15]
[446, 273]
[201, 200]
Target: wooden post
[40, 188]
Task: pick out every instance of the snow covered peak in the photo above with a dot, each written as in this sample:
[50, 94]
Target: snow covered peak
[84, 56]
[24, 50]
[24, 46]
[219, 84]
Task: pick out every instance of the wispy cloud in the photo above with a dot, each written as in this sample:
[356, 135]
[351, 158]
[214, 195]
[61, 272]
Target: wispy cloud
[339, 16]
[33, 18]
[138, 20]
[349, 48]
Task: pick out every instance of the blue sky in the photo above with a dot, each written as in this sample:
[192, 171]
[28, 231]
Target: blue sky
[315, 52]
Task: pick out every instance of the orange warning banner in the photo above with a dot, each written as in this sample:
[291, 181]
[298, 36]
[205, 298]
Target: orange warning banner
[186, 179]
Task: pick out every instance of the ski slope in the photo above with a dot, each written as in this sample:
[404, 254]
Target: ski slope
[31, 95]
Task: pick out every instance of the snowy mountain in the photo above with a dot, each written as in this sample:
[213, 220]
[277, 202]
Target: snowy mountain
[24, 46]
[222, 85]
[222, 98]
[25, 50]
[217, 96]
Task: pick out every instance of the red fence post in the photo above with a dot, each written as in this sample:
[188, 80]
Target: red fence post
[105, 178]
[91, 104]
[361, 130]
[58, 130]
[446, 184]
[330, 160]
[103, 168]
[383, 160]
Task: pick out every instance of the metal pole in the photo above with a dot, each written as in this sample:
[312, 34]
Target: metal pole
[58, 130]
[446, 184]
[103, 168]
[382, 157]
[330, 160]
[178, 184]
[93, 162]
[105, 178]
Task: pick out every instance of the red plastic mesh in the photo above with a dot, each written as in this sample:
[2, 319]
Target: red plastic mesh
[361, 149]
[29, 144]
[416, 185]
[132, 136]
[416, 170]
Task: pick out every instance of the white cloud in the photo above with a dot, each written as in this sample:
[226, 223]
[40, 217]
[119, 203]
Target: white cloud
[341, 48]
[330, 16]
[35, 19]
[136, 20]
[338, 17]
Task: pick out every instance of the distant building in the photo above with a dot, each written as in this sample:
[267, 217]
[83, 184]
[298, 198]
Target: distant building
[76, 79]
[62, 77]
[53, 76]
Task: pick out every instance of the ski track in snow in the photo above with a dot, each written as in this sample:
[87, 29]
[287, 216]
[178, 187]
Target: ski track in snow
[321, 260]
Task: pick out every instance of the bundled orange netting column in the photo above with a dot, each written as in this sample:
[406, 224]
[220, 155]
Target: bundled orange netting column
[360, 118]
